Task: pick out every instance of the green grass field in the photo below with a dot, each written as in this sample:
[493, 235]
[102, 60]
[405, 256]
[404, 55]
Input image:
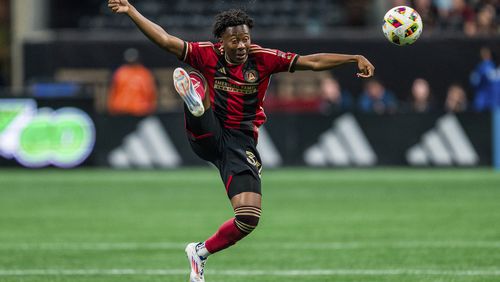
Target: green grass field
[317, 225]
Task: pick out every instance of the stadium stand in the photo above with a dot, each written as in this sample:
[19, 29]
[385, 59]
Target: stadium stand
[199, 13]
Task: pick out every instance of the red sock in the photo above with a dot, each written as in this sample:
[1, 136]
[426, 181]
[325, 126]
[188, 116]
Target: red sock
[226, 236]
[198, 83]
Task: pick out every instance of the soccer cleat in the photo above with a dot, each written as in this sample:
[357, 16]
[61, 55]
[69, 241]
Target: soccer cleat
[185, 88]
[196, 262]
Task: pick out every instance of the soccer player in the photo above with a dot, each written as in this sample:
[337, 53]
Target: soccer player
[223, 110]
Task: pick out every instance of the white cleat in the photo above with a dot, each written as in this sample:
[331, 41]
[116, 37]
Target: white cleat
[185, 88]
[197, 264]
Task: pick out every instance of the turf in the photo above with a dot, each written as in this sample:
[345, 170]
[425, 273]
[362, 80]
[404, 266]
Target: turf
[317, 225]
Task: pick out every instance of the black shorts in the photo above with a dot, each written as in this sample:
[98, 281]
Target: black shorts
[233, 152]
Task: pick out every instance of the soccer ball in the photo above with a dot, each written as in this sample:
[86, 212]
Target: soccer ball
[402, 25]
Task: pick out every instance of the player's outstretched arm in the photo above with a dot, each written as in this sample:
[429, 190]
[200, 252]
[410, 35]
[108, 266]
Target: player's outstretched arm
[320, 62]
[153, 31]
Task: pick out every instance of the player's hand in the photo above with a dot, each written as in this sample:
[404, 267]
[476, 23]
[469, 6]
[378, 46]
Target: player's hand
[119, 6]
[366, 69]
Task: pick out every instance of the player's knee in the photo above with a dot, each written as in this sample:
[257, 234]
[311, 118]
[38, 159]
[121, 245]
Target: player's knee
[247, 218]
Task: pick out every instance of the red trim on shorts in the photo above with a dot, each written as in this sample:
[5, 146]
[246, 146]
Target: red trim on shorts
[197, 137]
[194, 135]
[229, 183]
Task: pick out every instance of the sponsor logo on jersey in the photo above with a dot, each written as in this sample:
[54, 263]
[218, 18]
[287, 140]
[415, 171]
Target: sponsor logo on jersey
[222, 84]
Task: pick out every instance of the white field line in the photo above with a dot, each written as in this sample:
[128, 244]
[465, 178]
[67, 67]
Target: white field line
[130, 246]
[291, 272]
[352, 175]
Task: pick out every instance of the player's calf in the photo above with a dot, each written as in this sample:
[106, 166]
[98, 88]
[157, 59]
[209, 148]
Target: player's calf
[245, 221]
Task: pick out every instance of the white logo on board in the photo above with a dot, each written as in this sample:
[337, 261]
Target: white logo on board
[147, 147]
[343, 144]
[444, 145]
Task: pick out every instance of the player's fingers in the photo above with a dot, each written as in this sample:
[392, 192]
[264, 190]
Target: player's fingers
[116, 2]
[369, 71]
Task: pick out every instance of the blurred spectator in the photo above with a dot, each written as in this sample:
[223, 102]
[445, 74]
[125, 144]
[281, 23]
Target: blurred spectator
[333, 97]
[443, 7]
[356, 11]
[456, 99]
[133, 89]
[420, 97]
[486, 21]
[486, 81]
[294, 94]
[400, 3]
[376, 99]
[429, 13]
[460, 17]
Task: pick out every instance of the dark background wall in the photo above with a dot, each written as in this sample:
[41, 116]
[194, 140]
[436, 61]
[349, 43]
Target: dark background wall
[389, 136]
[441, 61]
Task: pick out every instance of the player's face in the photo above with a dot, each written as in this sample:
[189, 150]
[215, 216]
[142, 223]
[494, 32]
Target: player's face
[236, 42]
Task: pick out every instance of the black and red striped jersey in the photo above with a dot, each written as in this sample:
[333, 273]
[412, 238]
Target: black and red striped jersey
[237, 92]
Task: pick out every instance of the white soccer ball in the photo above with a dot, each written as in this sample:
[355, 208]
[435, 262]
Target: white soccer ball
[402, 25]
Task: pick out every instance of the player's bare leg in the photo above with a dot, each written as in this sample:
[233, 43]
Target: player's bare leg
[247, 210]
[247, 199]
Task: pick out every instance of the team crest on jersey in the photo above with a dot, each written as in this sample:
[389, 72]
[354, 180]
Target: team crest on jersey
[251, 76]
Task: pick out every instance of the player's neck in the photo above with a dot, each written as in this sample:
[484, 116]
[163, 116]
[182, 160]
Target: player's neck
[228, 60]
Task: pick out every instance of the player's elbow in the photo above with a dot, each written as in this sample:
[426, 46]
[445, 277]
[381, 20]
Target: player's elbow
[165, 42]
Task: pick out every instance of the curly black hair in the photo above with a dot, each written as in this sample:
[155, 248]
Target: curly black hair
[233, 17]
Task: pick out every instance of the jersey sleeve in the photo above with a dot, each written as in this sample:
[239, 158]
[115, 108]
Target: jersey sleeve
[275, 60]
[197, 54]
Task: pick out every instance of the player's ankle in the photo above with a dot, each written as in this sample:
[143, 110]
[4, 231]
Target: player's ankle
[202, 251]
